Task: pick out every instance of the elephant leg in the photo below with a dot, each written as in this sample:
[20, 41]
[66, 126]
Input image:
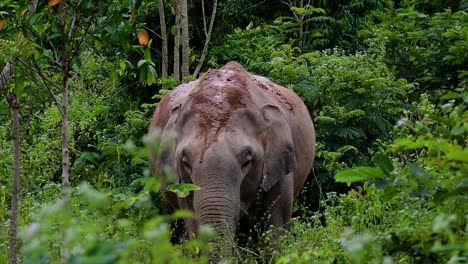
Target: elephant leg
[277, 205]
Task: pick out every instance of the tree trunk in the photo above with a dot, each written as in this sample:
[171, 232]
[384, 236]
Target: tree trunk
[207, 40]
[185, 39]
[13, 248]
[7, 73]
[164, 50]
[65, 141]
[177, 43]
[65, 58]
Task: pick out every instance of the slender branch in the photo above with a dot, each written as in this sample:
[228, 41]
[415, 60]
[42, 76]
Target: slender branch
[204, 19]
[252, 6]
[96, 97]
[152, 31]
[207, 41]
[46, 80]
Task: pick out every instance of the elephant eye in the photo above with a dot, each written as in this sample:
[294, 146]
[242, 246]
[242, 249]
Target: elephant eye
[248, 160]
[186, 163]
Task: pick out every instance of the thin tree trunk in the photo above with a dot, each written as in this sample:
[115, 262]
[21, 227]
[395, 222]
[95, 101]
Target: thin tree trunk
[185, 39]
[177, 43]
[65, 141]
[207, 40]
[7, 73]
[65, 60]
[13, 245]
[164, 51]
[65, 63]
[14, 105]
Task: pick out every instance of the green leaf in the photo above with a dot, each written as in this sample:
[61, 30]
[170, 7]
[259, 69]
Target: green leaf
[458, 155]
[92, 157]
[181, 214]
[141, 62]
[384, 163]
[131, 4]
[147, 56]
[359, 174]
[444, 194]
[325, 120]
[53, 36]
[457, 131]
[182, 189]
[152, 75]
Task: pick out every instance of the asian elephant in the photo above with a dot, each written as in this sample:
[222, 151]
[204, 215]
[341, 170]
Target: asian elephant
[246, 141]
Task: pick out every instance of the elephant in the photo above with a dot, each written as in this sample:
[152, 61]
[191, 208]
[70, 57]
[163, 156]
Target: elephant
[247, 142]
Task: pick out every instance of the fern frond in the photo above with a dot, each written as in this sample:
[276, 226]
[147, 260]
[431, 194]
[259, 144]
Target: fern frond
[351, 133]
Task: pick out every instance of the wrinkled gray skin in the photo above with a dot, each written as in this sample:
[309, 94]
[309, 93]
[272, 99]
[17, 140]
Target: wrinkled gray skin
[246, 141]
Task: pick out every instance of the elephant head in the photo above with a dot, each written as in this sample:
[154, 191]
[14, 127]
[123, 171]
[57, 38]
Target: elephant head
[235, 142]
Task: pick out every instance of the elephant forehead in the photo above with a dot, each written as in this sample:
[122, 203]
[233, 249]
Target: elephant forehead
[214, 101]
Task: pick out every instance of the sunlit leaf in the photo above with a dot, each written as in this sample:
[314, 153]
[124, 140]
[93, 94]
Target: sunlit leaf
[458, 155]
[143, 37]
[53, 3]
[2, 23]
[182, 189]
[181, 214]
[359, 174]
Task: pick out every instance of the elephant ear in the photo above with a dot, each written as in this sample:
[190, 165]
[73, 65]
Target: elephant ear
[279, 157]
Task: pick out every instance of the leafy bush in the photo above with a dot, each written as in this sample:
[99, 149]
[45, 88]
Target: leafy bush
[429, 50]
[120, 225]
[424, 185]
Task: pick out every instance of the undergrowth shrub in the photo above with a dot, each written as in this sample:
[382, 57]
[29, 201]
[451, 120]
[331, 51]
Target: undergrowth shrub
[119, 225]
[429, 50]
[422, 185]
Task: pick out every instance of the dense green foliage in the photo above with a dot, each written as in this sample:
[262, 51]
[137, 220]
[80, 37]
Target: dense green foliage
[385, 82]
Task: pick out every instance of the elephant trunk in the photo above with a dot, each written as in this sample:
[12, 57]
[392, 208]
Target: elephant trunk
[219, 208]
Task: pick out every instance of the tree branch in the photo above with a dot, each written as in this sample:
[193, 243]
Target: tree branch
[207, 41]
[44, 79]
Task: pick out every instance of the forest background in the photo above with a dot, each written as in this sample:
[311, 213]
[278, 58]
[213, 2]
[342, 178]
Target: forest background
[385, 82]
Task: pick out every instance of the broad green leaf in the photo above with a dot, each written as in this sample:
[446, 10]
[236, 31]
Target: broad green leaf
[182, 189]
[402, 142]
[458, 155]
[359, 174]
[457, 131]
[451, 95]
[147, 56]
[384, 163]
[141, 62]
[152, 75]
